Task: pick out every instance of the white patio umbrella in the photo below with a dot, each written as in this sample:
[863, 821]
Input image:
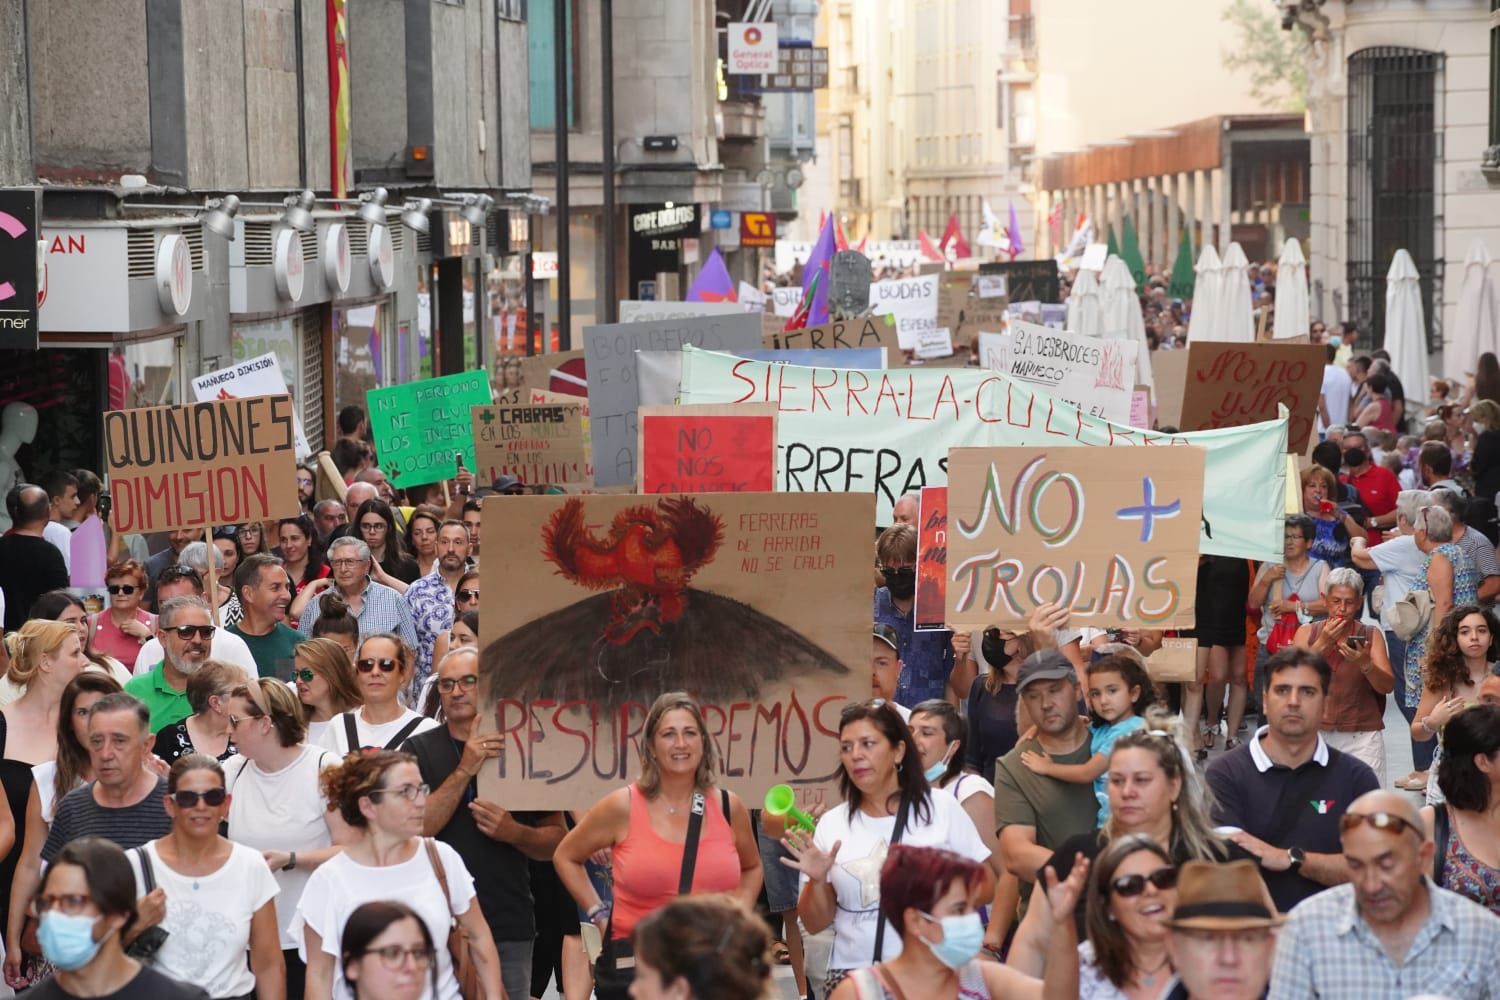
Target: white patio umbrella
[1122, 315]
[1233, 319]
[1291, 293]
[1405, 331]
[1207, 275]
[1085, 310]
[1476, 327]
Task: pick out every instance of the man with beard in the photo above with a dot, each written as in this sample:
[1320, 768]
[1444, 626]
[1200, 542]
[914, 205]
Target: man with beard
[927, 657]
[185, 628]
[1284, 790]
[431, 598]
[226, 647]
[265, 591]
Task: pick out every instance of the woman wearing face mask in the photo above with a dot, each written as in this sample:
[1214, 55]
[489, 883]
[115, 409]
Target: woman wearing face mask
[382, 670]
[86, 904]
[1132, 893]
[326, 684]
[702, 948]
[388, 953]
[991, 709]
[928, 896]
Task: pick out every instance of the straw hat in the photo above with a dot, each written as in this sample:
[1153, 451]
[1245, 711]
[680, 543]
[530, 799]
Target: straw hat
[1222, 897]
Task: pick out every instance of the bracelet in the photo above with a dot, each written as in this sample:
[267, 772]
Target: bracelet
[595, 910]
[1426, 725]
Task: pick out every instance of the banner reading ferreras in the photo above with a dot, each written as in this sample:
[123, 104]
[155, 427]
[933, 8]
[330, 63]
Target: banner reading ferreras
[1110, 533]
[840, 430]
[757, 603]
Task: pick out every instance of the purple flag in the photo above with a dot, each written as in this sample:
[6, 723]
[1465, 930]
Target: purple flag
[820, 261]
[713, 283]
[1013, 234]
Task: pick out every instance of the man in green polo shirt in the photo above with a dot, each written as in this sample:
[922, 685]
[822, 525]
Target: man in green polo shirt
[186, 630]
[265, 590]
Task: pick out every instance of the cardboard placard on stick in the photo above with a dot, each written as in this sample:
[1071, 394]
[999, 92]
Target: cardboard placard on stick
[1231, 385]
[758, 603]
[1169, 371]
[1095, 374]
[932, 558]
[1175, 662]
[867, 331]
[203, 464]
[1112, 533]
[536, 444]
[708, 449]
[420, 427]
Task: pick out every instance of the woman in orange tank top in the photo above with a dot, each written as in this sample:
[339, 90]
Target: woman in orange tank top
[644, 826]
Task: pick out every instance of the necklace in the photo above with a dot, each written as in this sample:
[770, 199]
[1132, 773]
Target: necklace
[1148, 978]
[671, 809]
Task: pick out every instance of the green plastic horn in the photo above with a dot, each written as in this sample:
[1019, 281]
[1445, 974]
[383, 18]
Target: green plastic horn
[782, 801]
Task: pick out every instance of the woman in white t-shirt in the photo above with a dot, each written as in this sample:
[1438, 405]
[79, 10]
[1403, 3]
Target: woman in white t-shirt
[326, 686]
[382, 795]
[219, 894]
[276, 803]
[382, 670]
[881, 778]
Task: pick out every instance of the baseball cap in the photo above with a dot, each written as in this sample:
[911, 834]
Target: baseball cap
[887, 634]
[1044, 665]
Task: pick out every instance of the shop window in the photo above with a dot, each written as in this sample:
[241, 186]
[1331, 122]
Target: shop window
[364, 352]
[146, 373]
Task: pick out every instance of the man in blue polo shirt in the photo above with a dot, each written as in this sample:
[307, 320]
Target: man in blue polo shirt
[1285, 790]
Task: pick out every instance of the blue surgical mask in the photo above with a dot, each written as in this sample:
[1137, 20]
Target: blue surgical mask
[68, 941]
[936, 771]
[963, 935]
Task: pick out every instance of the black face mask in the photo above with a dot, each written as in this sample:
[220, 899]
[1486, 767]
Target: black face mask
[902, 583]
[992, 647]
[1355, 457]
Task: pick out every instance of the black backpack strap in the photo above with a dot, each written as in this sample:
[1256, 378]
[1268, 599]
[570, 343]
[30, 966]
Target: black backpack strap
[895, 839]
[690, 846]
[406, 730]
[1440, 821]
[351, 732]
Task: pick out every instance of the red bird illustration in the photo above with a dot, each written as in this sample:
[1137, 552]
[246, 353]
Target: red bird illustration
[647, 558]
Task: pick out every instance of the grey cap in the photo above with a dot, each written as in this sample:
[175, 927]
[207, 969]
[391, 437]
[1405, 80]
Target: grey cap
[1045, 665]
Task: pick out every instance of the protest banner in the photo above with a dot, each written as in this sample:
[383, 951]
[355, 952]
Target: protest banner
[1026, 280]
[640, 311]
[866, 331]
[218, 462]
[757, 603]
[912, 301]
[536, 444]
[932, 558]
[1170, 371]
[1229, 385]
[785, 299]
[1092, 373]
[934, 344]
[420, 427]
[609, 351]
[708, 449]
[658, 374]
[1140, 407]
[260, 376]
[867, 358]
[1111, 534]
[889, 432]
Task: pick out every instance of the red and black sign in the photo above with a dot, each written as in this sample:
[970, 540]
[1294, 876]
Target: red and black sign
[19, 211]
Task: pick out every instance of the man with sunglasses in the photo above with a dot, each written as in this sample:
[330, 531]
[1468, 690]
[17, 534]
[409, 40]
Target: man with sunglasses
[185, 628]
[430, 599]
[493, 842]
[1390, 932]
[225, 646]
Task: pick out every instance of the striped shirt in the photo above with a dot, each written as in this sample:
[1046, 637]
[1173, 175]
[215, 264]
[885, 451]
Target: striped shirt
[381, 610]
[79, 815]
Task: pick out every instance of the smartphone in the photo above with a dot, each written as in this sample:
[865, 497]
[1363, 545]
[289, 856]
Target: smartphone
[1356, 641]
[106, 502]
[458, 459]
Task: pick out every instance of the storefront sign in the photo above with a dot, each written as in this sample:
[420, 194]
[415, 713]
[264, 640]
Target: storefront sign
[757, 229]
[720, 219]
[174, 275]
[287, 265]
[543, 265]
[19, 252]
[338, 261]
[752, 47]
[221, 462]
[382, 253]
[419, 427]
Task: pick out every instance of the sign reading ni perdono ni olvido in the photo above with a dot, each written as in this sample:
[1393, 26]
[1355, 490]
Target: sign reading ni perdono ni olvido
[421, 427]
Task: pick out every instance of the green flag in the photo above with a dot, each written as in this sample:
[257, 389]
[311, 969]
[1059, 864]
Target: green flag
[1183, 275]
[1130, 253]
[1114, 248]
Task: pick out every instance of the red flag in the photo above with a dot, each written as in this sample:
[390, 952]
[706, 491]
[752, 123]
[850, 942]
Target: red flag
[798, 319]
[952, 232]
[928, 250]
[839, 242]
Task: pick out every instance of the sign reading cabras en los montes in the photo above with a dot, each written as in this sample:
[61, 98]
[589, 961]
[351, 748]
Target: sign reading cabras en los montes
[221, 462]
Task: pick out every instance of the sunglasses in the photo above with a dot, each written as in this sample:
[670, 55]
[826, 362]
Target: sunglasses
[1380, 821]
[467, 595]
[186, 632]
[368, 665]
[304, 675]
[447, 684]
[187, 800]
[1133, 885]
[122, 588]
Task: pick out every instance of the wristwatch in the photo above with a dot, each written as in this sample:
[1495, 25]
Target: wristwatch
[291, 862]
[1295, 855]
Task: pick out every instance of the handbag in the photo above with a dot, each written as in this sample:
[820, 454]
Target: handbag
[464, 968]
[1410, 615]
[149, 941]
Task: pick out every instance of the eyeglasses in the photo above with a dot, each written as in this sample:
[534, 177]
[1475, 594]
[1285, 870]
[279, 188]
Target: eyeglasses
[467, 595]
[187, 800]
[372, 526]
[345, 563]
[122, 588]
[393, 956]
[1381, 821]
[304, 675]
[186, 632]
[366, 666]
[447, 684]
[69, 903]
[1133, 885]
[410, 793]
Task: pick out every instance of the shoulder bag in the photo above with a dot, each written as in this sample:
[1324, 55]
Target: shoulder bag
[895, 839]
[464, 968]
[144, 948]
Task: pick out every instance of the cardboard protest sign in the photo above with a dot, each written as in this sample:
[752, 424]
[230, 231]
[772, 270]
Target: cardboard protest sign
[420, 427]
[1027, 279]
[914, 303]
[785, 299]
[1140, 407]
[932, 558]
[934, 344]
[889, 432]
[708, 449]
[1092, 373]
[561, 372]
[867, 331]
[1175, 662]
[1112, 534]
[639, 311]
[613, 391]
[260, 376]
[757, 603]
[218, 462]
[1170, 371]
[536, 444]
[1229, 385]
[953, 297]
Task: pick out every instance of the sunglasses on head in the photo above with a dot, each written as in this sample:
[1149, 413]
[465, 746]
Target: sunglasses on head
[367, 665]
[468, 595]
[186, 632]
[1133, 885]
[122, 588]
[187, 800]
[1380, 821]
